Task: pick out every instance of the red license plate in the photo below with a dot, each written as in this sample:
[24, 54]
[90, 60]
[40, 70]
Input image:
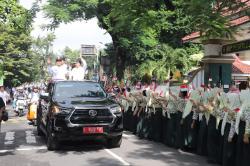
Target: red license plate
[92, 130]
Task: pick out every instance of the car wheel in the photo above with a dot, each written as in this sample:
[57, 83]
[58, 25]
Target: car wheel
[114, 142]
[52, 143]
[38, 128]
[39, 131]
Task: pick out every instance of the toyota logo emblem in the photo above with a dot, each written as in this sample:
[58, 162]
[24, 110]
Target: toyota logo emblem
[92, 113]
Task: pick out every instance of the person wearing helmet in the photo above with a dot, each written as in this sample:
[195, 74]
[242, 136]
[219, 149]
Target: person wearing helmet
[59, 71]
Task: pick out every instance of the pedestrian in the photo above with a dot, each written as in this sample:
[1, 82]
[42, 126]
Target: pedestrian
[173, 122]
[2, 109]
[213, 134]
[242, 128]
[78, 72]
[4, 95]
[202, 120]
[228, 129]
[190, 124]
[59, 71]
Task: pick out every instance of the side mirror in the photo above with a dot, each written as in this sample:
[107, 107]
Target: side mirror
[44, 96]
[111, 95]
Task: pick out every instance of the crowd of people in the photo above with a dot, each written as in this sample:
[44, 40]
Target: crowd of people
[204, 120]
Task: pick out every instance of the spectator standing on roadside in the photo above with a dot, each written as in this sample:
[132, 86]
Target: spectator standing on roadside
[2, 108]
[4, 95]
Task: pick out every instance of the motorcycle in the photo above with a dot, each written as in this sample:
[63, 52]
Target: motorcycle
[20, 106]
[32, 112]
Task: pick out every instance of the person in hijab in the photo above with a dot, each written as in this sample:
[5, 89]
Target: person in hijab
[228, 129]
[242, 128]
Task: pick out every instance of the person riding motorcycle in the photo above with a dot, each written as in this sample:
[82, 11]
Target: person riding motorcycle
[20, 98]
[33, 102]
[35, 95]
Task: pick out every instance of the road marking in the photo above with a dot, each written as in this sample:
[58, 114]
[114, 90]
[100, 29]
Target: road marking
[116, 157]
[9, 138]
[24, 149]
[30, 137]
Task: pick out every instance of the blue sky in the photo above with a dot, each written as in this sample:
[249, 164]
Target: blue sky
[73, 34]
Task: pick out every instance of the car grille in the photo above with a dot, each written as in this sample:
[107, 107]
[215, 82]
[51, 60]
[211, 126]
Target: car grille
[81, 116]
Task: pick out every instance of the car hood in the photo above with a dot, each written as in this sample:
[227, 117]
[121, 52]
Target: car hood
[84, 102]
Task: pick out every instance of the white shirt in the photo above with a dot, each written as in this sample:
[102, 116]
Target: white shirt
[34, 97]
[58, 72]
[77, 73]
[5, 96]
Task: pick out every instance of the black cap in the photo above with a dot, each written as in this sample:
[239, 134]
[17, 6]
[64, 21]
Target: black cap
[59, 58]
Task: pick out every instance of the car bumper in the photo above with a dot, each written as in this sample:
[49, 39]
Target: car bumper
[62, 130]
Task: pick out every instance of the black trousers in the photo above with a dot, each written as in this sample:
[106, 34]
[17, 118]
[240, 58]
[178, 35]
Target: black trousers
[190, 135]
[141, 125]
[171, 128]
[229, 148]
[157, 122]
[134, 122]
[202, 137]
[213, 140]
[165, 131]
[127, 116]
[221, 144]
[242, 149]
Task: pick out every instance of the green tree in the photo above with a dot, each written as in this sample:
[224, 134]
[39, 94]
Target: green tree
[137, 26]
[15, 42]
[210, 17]
[163, 61]
[42, 50]
[71, 54]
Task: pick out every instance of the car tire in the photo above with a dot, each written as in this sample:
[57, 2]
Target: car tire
[38, 128]
[114, 142]
[39, 131]
[52, 143]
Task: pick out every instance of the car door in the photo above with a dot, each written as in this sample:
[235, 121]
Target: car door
[45, 104]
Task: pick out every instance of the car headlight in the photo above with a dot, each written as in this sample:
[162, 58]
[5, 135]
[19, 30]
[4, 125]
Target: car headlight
[56, 110]
[116, 110]
[65, 110]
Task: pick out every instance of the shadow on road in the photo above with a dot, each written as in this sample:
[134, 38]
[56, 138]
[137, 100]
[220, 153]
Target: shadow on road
[160, 152]
[102, 161]
[79, 147]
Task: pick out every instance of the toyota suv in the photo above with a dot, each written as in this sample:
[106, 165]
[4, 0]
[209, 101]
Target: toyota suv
[78, 110]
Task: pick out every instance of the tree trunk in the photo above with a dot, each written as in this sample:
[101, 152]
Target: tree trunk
[120, 54]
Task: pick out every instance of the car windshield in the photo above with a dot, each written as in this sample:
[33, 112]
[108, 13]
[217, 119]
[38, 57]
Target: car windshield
[78, 89]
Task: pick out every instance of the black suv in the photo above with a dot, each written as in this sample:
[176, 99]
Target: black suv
[78, 110]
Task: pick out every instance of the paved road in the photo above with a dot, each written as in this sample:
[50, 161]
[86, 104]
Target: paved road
[20, 146]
